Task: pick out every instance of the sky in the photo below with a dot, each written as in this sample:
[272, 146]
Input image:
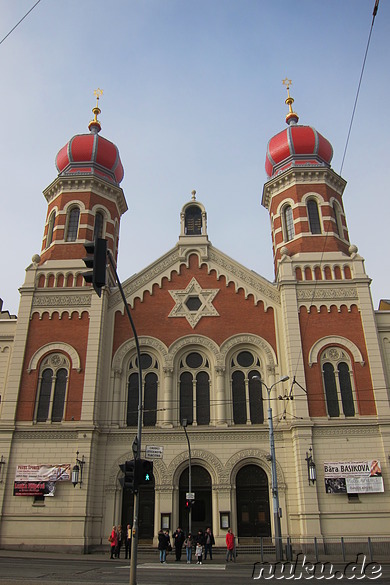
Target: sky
[192, 94]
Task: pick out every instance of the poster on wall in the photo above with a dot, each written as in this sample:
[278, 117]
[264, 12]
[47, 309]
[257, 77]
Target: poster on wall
[39, 480]
[353, 477]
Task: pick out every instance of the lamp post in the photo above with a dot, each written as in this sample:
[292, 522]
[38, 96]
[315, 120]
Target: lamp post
[274, 477]
[184, 424]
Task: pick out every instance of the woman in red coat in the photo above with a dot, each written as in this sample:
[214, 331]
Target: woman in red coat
[113, 541]
[230, 545]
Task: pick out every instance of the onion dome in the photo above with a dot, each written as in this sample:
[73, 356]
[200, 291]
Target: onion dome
[297, 145]
[91, 154]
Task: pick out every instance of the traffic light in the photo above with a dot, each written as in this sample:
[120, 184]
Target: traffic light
[129, 479]
[144, 472]
[96, 260]
[189, 504]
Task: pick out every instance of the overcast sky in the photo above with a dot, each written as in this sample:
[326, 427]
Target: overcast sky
[192, 94]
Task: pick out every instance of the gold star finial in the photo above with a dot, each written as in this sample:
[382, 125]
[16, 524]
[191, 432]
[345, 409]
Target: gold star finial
[94, 124]
[292, 117]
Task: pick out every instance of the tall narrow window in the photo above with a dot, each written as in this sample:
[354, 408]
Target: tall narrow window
[98, 229]
[288, 220]
[50, 229]
[246, 389]
[338, 382]
[195, 389]
[193, 221]
[52, 389]
[339, 223]
[73, 224]
[150, 390]
[313, 215]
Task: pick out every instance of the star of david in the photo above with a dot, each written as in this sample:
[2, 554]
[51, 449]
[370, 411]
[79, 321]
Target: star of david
[203, 306]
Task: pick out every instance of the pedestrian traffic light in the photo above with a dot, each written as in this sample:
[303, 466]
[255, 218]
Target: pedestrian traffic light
[129, 479]
[144, 472]
[189, 504]
[96, 260]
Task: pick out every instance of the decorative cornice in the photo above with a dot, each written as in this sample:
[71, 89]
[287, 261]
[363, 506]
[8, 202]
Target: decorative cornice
[339, 431]
[319, 293]
[59, 300]
[45, 435]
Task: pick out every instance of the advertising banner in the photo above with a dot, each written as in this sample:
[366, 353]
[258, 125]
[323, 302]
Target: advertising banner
[39, 480]
[353, 477]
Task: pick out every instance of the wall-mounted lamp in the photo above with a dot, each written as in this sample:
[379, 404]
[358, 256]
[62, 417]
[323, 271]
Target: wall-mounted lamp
[311, 467]
[77, 471]
[2, 463]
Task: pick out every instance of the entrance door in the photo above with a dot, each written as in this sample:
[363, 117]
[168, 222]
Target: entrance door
[201, 515]
[253, 515]
[146, 511]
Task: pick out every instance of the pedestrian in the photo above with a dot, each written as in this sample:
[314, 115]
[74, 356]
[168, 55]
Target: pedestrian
[230, 545]
[178, 540]
[189, 543]
[113, 540]
[209, 541]
[128, 542]
[199, 553]
[163, 546]
[120, 541]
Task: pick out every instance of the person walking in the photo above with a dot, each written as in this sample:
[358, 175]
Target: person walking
[188, 544]
[178, 539]
[113, 539]
[209, 541]
[163, 546]
[120, 541]
[128, 542]
[230, 545]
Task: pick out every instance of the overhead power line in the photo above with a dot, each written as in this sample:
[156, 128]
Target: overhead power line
[21, 20]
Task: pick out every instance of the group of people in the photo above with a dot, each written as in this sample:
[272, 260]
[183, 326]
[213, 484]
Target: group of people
[201, 544]
[117, 538]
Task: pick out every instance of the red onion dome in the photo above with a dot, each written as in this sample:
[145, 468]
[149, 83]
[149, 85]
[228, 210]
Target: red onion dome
[296, 145]
[90, 154]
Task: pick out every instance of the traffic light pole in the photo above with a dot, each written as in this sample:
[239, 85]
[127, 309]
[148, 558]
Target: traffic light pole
[134, 539]
[189, 476]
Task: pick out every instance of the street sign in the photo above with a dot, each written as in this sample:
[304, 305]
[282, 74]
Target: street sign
[153, 452]
[190, 496]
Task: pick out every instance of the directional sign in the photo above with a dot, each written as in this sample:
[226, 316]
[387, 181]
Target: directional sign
[190, 496]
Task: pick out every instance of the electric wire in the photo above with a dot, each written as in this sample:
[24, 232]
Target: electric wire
[21, 20]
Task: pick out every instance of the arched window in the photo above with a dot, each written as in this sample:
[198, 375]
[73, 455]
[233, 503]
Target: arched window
[193, 220]
[339, 223]
[313, 215]
[288, 223]
[52, 389]
[246, 390]
[338, 380]
[73, 224]
[98, 228]
[50, 229]
[150, 368]
[195, 389]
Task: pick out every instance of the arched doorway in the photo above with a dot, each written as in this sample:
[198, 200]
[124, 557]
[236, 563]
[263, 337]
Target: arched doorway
[201, 515]
[146, 511]
[253, 515]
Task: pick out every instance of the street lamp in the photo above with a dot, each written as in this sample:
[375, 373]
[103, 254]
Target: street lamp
[274, 477]
[184, 425]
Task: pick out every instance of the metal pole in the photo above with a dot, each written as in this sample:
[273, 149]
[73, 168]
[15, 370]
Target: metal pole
[274, 487]
[135, 535]
[189, 477]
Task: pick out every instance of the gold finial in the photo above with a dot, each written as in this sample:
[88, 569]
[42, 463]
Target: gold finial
[292, 117]
[94, 124]
[193, 193]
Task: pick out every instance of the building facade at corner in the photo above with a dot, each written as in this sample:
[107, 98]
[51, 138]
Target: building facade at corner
[216, 339]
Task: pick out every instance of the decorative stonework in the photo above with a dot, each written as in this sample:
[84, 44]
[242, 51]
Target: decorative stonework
[62, 301]
[47, 436]
[334, 340]
[145, 342]
[205, 297]
[257, 456]
[248, 340]
[55, 347]
[206, 458]
[358, 430]
[195, 340]
[320, 293]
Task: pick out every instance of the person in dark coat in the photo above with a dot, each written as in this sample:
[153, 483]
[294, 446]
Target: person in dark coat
[178, 540]
[209, 541]
[163, 542]
[199, 538]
